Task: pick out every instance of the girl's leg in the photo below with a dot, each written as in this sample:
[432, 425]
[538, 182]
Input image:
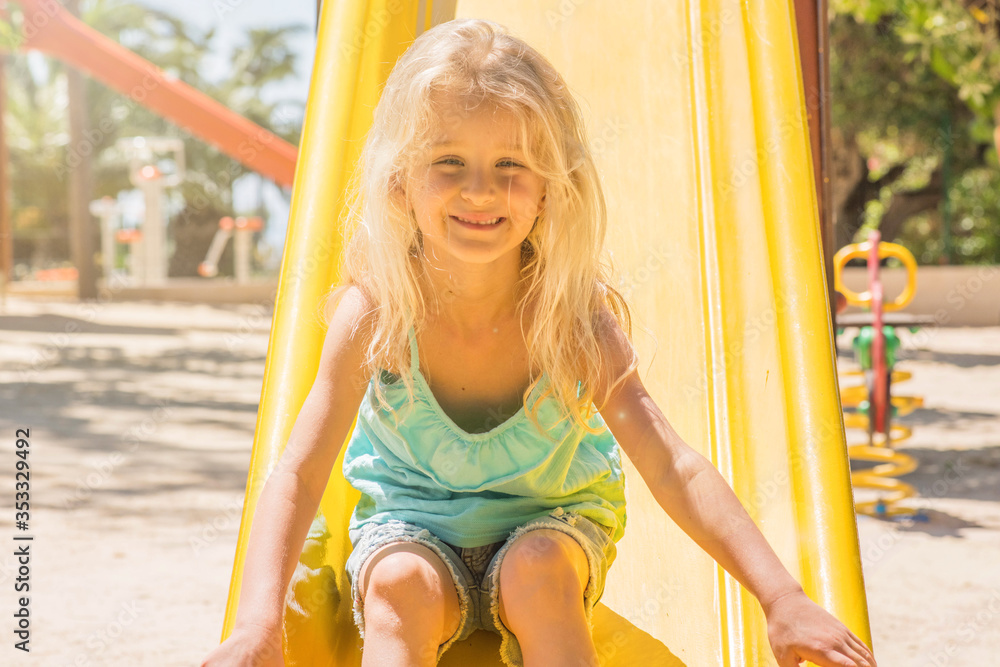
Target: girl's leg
[410, 606]
[542, 580]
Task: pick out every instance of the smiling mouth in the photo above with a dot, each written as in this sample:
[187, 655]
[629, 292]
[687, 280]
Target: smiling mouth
[479, 223]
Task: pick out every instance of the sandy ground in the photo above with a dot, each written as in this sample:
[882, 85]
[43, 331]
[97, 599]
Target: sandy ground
[141, 418]
[934, 586]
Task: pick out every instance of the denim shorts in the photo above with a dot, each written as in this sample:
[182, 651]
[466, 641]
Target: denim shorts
[476, 571]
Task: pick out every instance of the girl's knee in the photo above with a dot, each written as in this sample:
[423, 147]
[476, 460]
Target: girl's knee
[543, 577]
[409, 581]
[404, 573]
[544, 560]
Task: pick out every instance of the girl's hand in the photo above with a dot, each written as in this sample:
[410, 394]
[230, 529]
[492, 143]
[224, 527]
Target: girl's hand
[248, 646]
[799, 630]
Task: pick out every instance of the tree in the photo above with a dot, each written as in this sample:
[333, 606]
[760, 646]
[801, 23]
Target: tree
[39, 151]
[914, 89]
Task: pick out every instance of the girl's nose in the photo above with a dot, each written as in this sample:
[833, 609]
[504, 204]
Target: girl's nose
[478, 189]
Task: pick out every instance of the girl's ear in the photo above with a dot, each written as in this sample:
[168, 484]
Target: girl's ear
[541, 209]
[395, 184]
[397, 192]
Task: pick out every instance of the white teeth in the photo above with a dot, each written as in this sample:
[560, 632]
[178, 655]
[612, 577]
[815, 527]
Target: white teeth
[473, 222]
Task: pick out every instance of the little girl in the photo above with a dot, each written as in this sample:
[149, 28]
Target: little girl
[476, 329]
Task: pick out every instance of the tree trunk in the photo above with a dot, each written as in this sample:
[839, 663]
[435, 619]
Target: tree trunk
[852, 189]
[905, 205]
[847, 173]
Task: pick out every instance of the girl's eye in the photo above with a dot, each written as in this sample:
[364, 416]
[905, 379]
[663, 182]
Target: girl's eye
[506, 163]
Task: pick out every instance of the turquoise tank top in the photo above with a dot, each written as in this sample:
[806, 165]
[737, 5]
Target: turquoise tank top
[473, 489]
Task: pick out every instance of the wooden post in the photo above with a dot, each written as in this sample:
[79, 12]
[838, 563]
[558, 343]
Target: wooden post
[6, 229]
[814, 41]
[6, 233]
[81, 182]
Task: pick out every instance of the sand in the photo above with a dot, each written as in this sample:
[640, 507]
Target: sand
[141, 419]
[934, 586]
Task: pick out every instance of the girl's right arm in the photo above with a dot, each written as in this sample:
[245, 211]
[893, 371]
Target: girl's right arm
[291, 495]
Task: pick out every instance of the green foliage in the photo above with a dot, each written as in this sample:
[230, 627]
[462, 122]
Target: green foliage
[10, 35]
[916, 84]
[958, 43]
[976, 203]
[41, 155]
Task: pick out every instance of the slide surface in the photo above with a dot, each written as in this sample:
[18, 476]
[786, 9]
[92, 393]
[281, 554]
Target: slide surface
[696, 113]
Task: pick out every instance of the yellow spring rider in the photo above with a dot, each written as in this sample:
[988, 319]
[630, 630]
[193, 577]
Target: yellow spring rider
[874, 404]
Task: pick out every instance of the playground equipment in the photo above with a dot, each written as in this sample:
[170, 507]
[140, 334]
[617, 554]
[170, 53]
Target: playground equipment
[52, 29]
[107, 210]
[875, 348]
[49, 28]
[149, 252]
[732, 266]
[241, 231]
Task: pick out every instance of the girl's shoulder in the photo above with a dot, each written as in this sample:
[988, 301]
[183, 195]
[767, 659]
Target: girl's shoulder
[616, 347]
[352, 322]
[343, 359]
[358, 308]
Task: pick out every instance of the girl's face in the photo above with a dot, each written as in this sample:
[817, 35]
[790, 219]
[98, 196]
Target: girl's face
[473, 198]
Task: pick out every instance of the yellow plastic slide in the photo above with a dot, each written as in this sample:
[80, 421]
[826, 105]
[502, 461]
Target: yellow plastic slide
[696, 113]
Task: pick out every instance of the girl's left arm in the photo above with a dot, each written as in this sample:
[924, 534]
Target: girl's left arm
[696, 496]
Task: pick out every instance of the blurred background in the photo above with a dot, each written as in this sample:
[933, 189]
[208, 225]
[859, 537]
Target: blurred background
[252, 57]
[140, 244]
[913, 91]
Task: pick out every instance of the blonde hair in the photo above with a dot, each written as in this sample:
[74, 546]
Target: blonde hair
[476, 61]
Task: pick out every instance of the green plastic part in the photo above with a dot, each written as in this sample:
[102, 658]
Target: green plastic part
[862, 345]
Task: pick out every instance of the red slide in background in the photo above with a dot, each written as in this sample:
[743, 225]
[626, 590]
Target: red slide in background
[50, 28]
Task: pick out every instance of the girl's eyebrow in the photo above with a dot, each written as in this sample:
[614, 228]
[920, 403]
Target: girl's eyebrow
[450, 144]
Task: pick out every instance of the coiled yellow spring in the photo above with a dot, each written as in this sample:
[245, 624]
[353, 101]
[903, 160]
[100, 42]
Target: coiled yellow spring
[891, 463]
